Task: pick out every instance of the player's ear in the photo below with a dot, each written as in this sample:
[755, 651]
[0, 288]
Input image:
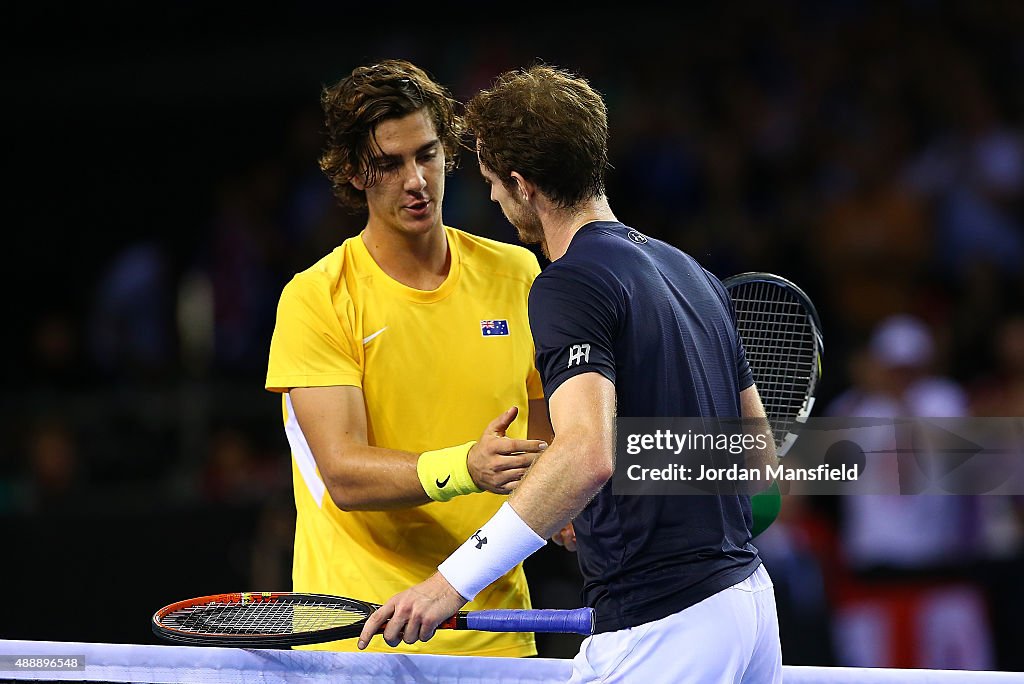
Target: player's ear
[525, 188]
[357, 182]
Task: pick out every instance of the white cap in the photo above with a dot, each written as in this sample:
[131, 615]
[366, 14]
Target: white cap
[902, 340]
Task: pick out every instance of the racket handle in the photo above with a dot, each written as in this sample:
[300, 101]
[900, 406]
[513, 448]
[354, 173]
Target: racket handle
[576, 621]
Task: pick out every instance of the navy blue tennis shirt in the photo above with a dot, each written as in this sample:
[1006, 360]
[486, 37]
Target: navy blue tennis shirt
[652, 320]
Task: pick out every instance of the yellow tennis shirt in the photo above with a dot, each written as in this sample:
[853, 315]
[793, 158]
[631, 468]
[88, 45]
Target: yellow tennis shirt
[435, 368]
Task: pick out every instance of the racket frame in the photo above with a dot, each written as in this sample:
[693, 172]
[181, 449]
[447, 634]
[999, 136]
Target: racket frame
[817, 340]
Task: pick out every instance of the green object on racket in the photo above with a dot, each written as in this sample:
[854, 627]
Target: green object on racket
[782, 337]
[282, 619]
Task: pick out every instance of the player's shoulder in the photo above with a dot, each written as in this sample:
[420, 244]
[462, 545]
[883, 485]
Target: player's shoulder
[324, 277]
[578, 276]
[502, 258]
[713, 280]
[600, 246]
[594, 251]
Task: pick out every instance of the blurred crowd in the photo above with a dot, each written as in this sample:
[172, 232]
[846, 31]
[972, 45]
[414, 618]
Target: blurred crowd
[873, 153]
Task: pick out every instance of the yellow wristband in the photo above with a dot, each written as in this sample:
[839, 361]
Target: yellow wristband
[444, 473]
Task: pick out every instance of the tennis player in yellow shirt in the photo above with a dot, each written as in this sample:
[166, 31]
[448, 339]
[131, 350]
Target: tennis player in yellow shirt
[393, 353]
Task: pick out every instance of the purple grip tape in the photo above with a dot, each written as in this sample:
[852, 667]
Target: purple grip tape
[577, 621]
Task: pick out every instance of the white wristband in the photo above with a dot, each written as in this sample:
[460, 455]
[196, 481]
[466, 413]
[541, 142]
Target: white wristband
[501, 544]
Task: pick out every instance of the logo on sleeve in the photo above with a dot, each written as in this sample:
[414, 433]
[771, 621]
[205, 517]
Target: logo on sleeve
[579, 353]
[494, 328]
[637, 237]
[480, 541]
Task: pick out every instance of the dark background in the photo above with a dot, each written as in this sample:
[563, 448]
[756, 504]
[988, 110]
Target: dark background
[162, 187]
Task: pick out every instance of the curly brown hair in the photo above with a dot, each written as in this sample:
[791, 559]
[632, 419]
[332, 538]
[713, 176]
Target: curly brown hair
[547, 124]
[354, 107]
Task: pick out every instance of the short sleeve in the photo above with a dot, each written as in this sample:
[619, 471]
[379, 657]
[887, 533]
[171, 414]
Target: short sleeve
[312, 345]
[534, 386]
[573, 320]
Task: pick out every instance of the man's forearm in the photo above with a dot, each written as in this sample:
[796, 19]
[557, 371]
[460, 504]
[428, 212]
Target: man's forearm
[366, 478]
[560, 484]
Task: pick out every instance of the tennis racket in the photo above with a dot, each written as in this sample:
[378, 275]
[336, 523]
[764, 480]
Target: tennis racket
[781, 333]
[281, 619]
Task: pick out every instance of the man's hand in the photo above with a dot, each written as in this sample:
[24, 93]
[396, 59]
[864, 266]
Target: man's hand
[414, 614]
[565, 537]
[497, 463]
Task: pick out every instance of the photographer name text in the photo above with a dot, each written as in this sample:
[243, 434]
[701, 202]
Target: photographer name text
[679, 473]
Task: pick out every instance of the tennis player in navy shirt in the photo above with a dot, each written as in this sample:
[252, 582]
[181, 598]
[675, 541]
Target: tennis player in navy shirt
[624, 325]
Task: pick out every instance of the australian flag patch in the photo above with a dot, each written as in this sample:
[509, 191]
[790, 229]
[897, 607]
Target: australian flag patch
[494, 328]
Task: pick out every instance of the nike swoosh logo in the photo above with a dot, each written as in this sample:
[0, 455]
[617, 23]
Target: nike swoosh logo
[440, 484]
[366, 340]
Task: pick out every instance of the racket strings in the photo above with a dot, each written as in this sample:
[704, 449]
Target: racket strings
[778, 337]
[264, 617]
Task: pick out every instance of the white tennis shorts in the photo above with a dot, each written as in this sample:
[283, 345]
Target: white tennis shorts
[730, 637]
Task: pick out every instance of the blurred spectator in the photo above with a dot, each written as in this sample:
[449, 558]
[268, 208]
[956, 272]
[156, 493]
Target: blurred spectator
[895, 375]
[907, 554]
[55, 355]
[873, 237]
[978, 300]
[235, 473]
[55, 478]
[1000, 392]
[311, 219]
[975, 174]
[196, 328]
[242, 258]
[894, 378]
[131, 326]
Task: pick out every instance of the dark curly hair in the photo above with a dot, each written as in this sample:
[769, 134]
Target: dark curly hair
[356, 105]
[547, 124]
